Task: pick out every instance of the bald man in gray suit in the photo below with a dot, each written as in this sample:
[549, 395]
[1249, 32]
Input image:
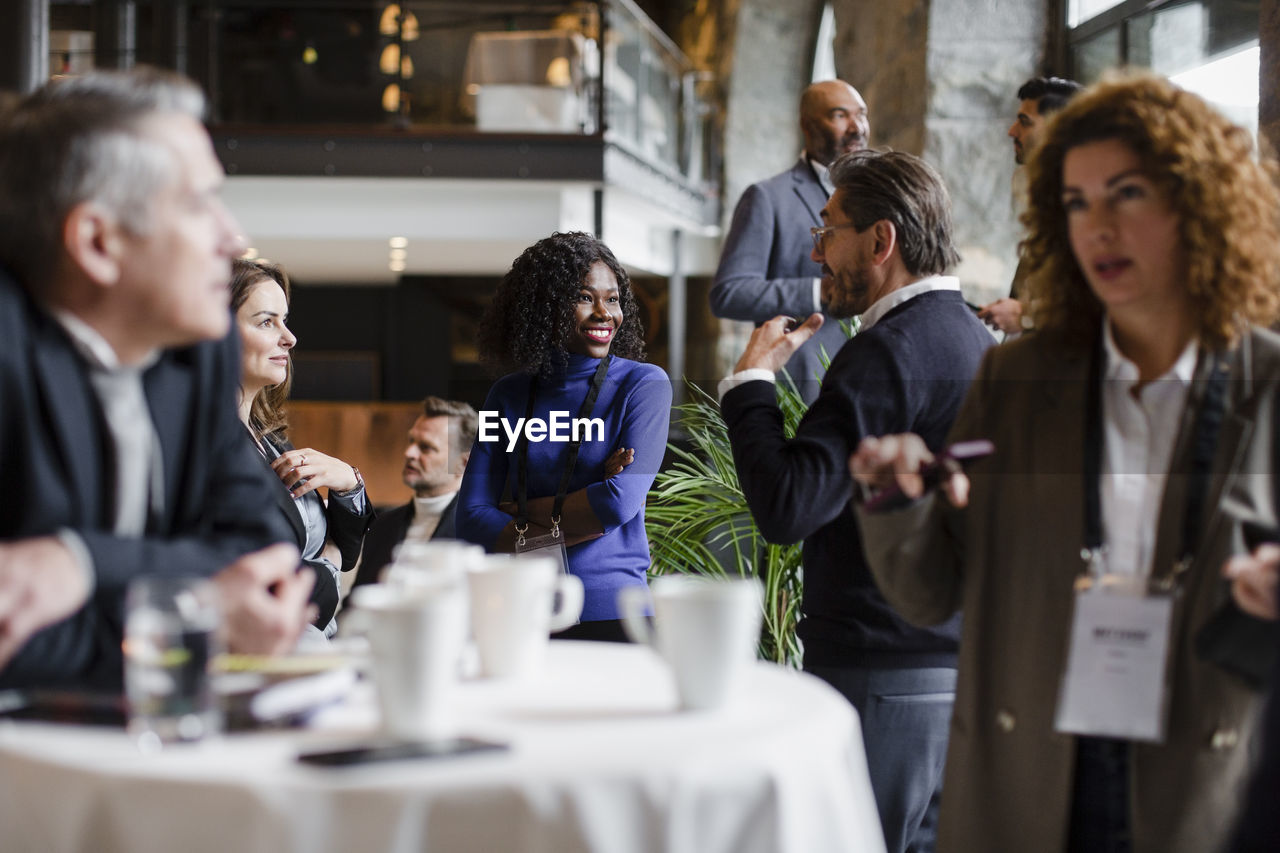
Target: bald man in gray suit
[765, 269]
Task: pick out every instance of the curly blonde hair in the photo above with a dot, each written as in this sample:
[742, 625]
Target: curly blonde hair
[1226, 201]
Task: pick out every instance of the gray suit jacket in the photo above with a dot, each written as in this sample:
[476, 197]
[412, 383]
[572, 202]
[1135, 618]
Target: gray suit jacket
[1009, 561]
[765, 269]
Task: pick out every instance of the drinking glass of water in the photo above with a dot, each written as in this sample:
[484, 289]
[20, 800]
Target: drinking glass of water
[171, 636]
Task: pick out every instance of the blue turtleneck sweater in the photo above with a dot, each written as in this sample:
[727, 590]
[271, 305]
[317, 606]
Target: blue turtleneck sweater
[635, 406]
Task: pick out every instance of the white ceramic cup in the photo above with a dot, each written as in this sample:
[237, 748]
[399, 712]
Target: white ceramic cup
[417, 562]
[516, 602]
[706, 630]
[416, 635]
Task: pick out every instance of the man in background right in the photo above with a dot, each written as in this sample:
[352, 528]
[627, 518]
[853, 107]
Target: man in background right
[439, 447]
[1038, 98]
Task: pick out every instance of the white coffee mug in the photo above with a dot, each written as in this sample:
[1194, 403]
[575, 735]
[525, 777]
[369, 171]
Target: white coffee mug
[417, 562]
[416, 635]
[706, 629]
[516, 602]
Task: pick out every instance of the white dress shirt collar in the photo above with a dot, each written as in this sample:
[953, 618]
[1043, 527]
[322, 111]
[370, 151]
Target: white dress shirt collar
[1121, 368]
[821, 172]
[892, 300]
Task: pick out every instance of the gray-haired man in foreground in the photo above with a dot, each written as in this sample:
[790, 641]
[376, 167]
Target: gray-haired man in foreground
[120, 451]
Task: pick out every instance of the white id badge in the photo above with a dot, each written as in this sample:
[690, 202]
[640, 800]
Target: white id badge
[1114, 685]
[547, 545]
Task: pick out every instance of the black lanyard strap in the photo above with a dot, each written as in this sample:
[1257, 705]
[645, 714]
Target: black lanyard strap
[522, 450]
[1204, 444]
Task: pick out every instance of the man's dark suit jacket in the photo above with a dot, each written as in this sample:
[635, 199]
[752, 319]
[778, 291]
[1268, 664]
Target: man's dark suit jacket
[345, 527]
[389, 530]
[907, 373]
[56, 472]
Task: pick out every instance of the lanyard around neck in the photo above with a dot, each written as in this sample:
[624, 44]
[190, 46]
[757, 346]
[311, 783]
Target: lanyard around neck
[1204, 443]
[522, 465]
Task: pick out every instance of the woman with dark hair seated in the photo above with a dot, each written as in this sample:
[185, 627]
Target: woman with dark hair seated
[565, 320]
[1135, 448]
[329, 534]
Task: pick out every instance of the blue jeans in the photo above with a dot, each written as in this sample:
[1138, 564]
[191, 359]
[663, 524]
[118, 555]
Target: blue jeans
[906, 717]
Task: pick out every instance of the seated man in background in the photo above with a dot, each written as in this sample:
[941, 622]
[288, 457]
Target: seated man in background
[439, 447]
[120, 451]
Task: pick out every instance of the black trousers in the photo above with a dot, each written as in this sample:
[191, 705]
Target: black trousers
[603, 631]
[1100, 802]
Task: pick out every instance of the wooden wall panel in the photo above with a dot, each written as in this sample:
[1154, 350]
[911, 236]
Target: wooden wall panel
[370, 436]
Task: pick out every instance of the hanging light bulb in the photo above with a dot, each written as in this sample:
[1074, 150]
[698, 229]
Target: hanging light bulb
[406, 67]
[391, 98]
[309, 55]
[409, 31]
[389, 23]
[558, 73]
[390, 59]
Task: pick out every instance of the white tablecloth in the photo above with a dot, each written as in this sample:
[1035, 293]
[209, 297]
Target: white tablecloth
[600, 760]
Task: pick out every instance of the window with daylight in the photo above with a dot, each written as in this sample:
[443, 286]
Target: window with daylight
[1209, 47]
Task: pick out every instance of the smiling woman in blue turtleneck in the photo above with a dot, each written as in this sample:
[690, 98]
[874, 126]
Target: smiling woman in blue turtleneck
[565, 307]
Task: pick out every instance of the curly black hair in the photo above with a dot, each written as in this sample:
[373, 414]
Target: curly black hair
[531, 317]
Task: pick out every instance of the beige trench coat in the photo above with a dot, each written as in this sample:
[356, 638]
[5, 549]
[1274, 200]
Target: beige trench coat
[1009, 561]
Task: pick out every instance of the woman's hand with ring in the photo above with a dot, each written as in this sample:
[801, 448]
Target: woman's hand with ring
[306, 469]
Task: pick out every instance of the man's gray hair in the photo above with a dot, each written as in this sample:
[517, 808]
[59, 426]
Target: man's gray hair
[908, 192]
[81, 139]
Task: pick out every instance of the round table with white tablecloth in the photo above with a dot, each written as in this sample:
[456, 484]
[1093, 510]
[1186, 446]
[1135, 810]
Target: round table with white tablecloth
[599, 760]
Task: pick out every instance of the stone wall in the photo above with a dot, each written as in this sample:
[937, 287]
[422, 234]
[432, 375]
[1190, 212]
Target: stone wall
[990, 49]
[772, 62]
[1269, 72]
[940, 79]
[883, 50]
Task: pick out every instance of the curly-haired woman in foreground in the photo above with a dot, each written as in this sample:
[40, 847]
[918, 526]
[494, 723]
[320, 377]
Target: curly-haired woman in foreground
[1133, 438]
[565, 320]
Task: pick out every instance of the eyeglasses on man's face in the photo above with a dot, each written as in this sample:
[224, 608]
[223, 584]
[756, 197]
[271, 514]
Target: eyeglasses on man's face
[820, 234]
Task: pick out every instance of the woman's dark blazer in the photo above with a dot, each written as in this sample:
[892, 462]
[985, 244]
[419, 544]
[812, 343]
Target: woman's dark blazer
[346, 529]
